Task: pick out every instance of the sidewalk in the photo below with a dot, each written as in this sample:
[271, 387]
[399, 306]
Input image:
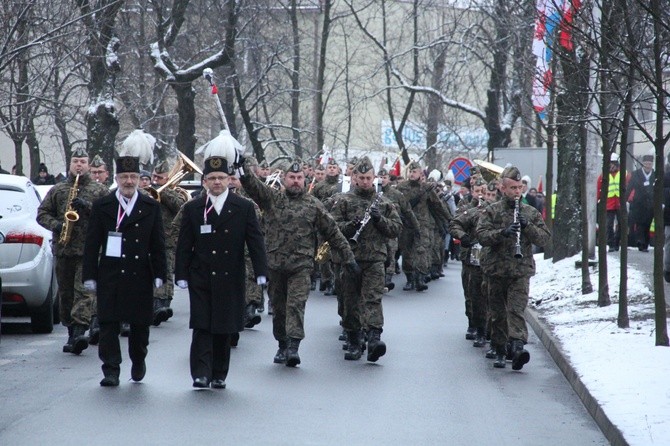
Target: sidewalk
[620, 376]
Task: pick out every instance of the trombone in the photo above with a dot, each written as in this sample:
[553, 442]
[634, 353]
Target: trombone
[182, 167]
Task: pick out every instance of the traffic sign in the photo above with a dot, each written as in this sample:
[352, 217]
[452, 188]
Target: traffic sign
[461, 169]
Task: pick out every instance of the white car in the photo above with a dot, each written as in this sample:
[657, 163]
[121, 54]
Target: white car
[26, 262]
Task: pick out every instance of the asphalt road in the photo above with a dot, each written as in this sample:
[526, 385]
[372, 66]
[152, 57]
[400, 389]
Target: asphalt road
[432, 387]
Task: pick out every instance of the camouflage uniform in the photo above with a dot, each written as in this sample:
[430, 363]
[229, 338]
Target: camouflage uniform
[324, 191]
[463, 227]
[409, 223]
[509, 276]
[417, 247]
[362, 293]
[292, 224]
[76, 305]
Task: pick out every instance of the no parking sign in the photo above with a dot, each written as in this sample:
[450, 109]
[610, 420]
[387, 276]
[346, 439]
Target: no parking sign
[461, 169]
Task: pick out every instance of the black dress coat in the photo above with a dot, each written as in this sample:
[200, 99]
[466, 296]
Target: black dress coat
[213, 264]
[125, 284]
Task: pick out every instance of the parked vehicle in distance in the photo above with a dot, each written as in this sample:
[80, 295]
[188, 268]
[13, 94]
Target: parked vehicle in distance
[29, 285]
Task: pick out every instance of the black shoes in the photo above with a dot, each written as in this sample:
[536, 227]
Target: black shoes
[94, 331]
[470, 334]
[137, 371]
[234, 339]
[376, 347]
[324, 285]
[520, 355]
[280, 357]
[160, 312]
[292, 357]
[110, 381]
[353, 346]
[251, 318]
[490, 353]
[666, 276]
[80, 340]
[201, 383]
[67, 348]
[218, 384]
[125, 329]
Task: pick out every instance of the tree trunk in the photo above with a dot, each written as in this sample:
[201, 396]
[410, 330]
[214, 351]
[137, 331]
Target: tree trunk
[435, 112]
[320, 76]
[185, 139]
[295, 81]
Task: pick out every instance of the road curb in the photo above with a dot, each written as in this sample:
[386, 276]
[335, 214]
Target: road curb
[553, 346]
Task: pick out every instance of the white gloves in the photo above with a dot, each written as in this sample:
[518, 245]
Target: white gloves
[90, 285]
[182, 284]
[261, 280]
[158, 282]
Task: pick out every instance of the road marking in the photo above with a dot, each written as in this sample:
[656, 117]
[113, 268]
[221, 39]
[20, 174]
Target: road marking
[5, 362]
[26, 352]
[41, 343]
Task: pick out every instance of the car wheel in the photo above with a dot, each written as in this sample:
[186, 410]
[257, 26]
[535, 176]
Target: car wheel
[42, 319]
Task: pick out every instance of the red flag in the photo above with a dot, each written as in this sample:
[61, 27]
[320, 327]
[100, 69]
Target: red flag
[395, 170]
[214, 89]
[539, 185]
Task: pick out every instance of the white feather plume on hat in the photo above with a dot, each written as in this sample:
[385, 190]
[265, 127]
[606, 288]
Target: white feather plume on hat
[224, 145]
[138, 144]
[449, 176]
[435, 175]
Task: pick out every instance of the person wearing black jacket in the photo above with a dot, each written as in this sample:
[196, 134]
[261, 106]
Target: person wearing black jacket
[666, 220]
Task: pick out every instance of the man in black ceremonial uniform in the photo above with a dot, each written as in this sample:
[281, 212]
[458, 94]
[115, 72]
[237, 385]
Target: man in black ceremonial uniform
[124, 258]
[210, 262]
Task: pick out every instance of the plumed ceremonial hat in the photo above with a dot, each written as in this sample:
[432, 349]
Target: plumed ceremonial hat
[98, 161]
[216, 164]
[163, 167]
[512, 173]
[364, 165]
[79, 153]
[128, 164]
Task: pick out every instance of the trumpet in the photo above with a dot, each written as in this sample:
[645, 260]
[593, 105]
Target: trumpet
[353, 241]
[517, 245]
[183, 167]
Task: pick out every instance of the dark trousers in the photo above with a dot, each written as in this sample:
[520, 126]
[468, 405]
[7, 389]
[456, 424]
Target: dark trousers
[210, 355]
[109, 348]
[613, 233]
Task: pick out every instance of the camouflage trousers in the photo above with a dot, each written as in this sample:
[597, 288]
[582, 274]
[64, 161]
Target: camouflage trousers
[508, 298]
[476, 304]
[436, 250]
[76, 305]
[391, 248]
[337, 275]
[362, 297]
[414, 252]
[253, 291]
[288, 291]
[167, 290]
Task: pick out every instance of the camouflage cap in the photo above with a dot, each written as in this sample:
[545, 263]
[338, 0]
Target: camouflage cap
[97, 161]
[264, 165]
[466, 183]
[145, 174]
[364, 165]
[382, 172]
[478, 182]
[512, 173]
[320, 167]
[79, 153]
[353, 161]
[332, 162]
[162, 167]
[413, 165]
[294, 166]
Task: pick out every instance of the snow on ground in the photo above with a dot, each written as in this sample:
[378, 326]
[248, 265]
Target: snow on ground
[622, 368]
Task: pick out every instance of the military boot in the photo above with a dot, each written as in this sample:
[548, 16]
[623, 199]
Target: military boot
[409, 286]
[434, 273]
[166, 304]
[160, 312]
[500, 361]
[389, 282]
[94, 331]
[419, 283]
[67, 348]
[480, 338]
[324, 284]
[376, 347]
[250, 316]
[80, 340]
[354, 343]
[280, 357]
[292, 357]
[330, 289]
[491, 353]
[470, 334]
[520, 355]
[509, 353]
[125, 329]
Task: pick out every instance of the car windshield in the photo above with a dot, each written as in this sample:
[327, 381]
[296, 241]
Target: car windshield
[13, 202]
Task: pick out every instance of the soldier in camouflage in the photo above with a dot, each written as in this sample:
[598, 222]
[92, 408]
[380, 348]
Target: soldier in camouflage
[362, 291]
[324, 191]
[463, 227]
[76, 305]
[171, 201]
[293, 219]
[428, 209]
[501, 234]
[409, 222]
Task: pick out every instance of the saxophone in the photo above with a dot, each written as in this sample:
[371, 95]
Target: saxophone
[71, 216]
[322, 253]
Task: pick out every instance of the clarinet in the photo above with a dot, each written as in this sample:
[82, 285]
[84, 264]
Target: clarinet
[517, 245]
[353, 241]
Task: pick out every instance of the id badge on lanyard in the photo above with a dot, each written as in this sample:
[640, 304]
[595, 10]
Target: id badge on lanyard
[205, 228]
[114, 238]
